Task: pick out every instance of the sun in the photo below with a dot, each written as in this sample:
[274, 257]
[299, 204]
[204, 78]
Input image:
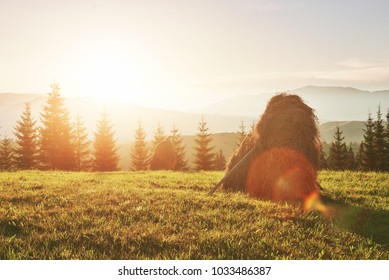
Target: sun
[115, 74]
[109, 75]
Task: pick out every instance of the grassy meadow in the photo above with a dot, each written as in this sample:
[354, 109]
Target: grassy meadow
[168, 215]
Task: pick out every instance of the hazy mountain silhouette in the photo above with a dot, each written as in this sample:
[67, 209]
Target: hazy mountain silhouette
[124, 117]
[330, 103]
[348, 108]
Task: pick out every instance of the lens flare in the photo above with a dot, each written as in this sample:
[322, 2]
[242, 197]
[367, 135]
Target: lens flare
[281, 174]
[313, 202]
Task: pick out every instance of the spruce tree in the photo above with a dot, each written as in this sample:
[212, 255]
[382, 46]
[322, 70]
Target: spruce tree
[204, 156]
[368, 155]
[338, 152]
[81, 145]
[176, 139]
[241, 133]
[322, 158]
[56, 144]
[26, 133]
[220, 161]
[105, 150]
[351, 161]
[387, 142]
[159, 137]
[253, 125]
[139, 153]
[379, 142]
[6, 154]
[359, 157]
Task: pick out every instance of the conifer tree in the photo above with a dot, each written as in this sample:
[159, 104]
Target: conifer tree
[253, 125]
[139, 152]
[322, 158]
[220, 161]
[56, 146]
[105, 150]
[387, 142]
[359, 157]
[159, 137]
[81, 145]
[368, 155]
[351, 162]
[241, 133]
[176, 139]
[6, 154]
[379, 142]
[26, 133]
[338, 152]
[204, 157]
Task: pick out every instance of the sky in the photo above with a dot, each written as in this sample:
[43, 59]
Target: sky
[181, 54]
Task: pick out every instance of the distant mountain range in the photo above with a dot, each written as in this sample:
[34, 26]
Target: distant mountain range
[330, 103]
[347, 107]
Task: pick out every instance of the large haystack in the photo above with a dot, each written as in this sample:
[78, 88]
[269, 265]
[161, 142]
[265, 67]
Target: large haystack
[281, 174]
[237, 180]
[287, 123]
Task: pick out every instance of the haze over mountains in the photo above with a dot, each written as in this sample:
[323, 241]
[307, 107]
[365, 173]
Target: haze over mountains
[330, 103]
[347, 107]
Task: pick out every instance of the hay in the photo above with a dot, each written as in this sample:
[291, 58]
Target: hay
[286, 123]
[281, 174]
[236, 182]
[289, 122]
[164, 157]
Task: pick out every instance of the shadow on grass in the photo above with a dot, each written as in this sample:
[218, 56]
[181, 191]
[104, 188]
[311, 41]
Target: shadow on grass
[369, 223]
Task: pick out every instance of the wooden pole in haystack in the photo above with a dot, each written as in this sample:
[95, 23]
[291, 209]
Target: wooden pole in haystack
[239, 163]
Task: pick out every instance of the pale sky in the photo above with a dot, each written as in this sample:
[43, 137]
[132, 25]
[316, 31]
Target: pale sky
[183, 54]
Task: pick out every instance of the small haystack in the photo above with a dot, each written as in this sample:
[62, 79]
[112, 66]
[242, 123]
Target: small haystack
[164, 157]
[286, 142]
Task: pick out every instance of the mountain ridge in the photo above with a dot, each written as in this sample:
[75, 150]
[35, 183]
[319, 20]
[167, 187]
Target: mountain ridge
[126, 116]
[330, 103]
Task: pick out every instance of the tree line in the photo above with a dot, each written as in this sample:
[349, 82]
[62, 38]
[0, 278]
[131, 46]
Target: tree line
[58, 144]
[372, 154]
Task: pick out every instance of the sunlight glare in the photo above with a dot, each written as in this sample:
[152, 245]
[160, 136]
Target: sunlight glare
[108, 76]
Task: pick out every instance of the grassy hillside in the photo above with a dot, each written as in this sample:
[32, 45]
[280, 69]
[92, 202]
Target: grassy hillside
[166, 215]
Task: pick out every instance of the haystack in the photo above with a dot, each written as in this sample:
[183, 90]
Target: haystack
[286, 142]
[164, 157]
[237, 180]
[281, 174]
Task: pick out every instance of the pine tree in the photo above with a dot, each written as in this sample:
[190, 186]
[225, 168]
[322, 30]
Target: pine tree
[387, 142]
[159, 137]
[338, 152]
[253, 125]
[6, 154]
[359, 157]
[204, 157]
[220, 161]
[105, 150]
[351, 162]
[322, 158]
[139, 153]
[241, 133]
[368, 156]
[176, 139]
[81, 145]
[56, 146]
[26, 133]
[379, 142]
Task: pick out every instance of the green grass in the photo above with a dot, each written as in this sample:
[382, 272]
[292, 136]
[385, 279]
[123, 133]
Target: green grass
[167, 215]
